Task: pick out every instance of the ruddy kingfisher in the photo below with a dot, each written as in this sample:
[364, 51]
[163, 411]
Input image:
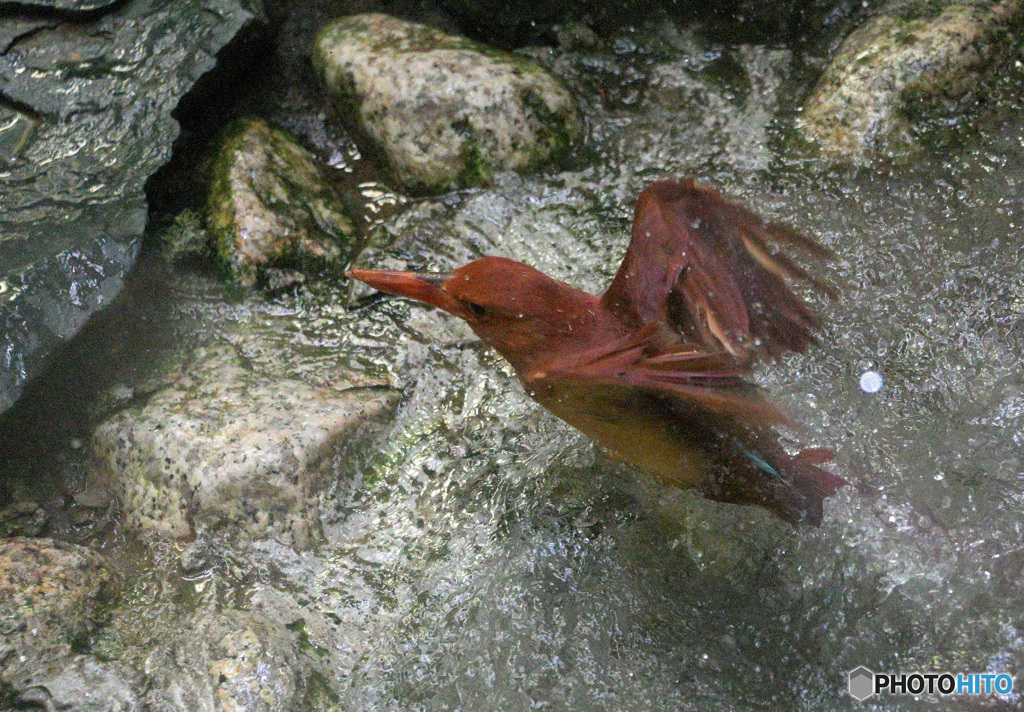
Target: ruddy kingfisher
[655, 369]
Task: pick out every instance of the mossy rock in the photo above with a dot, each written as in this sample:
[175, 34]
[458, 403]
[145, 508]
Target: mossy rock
[271, 206]
[912, 56]
[443, 111]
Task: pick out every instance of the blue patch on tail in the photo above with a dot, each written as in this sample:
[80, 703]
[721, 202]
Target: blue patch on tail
[763, 465]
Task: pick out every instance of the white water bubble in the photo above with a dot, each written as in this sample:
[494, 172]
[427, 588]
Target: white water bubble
[871, 381]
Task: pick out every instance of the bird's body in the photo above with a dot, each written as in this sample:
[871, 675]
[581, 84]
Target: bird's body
[654, 369]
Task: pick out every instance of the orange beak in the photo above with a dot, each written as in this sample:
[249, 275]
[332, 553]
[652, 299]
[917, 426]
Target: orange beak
[423, 287]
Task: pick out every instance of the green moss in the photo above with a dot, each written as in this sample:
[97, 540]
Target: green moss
[297, 220]
[556, 130]
[380, 475]
[186, 238]
[476, 169]
[220, 213]
[923, 11]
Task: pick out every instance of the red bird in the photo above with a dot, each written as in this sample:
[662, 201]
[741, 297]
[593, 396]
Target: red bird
[654, 369]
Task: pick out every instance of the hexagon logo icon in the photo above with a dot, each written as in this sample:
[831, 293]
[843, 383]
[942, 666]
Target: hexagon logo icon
[862, 683]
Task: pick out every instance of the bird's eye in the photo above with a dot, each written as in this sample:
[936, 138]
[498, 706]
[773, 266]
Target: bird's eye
[476, 308]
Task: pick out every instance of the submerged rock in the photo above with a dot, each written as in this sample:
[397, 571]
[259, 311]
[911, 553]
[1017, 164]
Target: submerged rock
[186, 239]
[51, 596]
[270, 205]
[86, 120]
[444, 111]
[899, 58]
[225, 444]
[231, 660]
[22, 519]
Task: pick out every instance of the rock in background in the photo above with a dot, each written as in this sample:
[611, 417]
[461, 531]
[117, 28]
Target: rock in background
[445, 112]
[272, 206]
[85, 120]
[911, 55]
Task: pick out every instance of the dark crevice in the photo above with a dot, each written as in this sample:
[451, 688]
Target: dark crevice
[32, 30]
[123, 343]
[23, 108]
[202, 114]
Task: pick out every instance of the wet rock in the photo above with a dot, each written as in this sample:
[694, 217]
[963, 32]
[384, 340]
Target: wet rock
[445, 112]
[230, 661]
[227, 446]
[50, 589]
[911, 54]
[271, 205]
[51, 597]
[85, 121]
[186, 239]
[74, 5]
[22, 519]
[84, 684]
[279, 280]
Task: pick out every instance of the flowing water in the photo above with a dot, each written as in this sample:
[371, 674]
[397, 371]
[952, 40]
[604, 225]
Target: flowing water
[478, 554]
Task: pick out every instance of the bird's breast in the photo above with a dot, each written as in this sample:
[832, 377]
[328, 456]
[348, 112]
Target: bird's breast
[633, 431]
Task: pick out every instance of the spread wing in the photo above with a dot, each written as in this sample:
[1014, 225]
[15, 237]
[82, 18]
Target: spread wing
[709, 383]
[703, 265]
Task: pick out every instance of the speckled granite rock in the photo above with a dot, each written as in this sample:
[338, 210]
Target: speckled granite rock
[910, 53]
[51, 594]
[50, 588]
[227, 444]
[444, 111]
[271, 206]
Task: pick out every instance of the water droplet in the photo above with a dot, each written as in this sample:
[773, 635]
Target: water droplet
[871, 381]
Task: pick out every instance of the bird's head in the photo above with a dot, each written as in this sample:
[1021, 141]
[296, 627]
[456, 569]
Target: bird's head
[518, 310]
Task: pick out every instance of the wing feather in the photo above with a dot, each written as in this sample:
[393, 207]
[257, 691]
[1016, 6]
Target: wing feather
[713, 254]
[712, 381]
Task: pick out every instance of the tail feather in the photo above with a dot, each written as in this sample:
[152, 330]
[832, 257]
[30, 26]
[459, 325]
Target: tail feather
[809, 485]
[793, 487]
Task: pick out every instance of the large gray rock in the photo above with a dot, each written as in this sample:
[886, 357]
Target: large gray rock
[911, 53]
[86, 120]
[270, 205]
[228, 446]
[444, 111]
